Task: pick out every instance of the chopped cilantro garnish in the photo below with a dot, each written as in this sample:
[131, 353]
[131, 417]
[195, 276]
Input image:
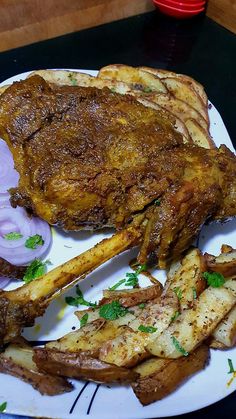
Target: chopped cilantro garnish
[83, 320]
[175, 316]
[142, 305]
[3, 407]
[194, 293]
[131, 279]
[179, 347]
[147, 329]
[214, 279]
[147, 89]
[117, 284]
[112, 311]
[178, 292]
[112, 89]
[35, 269]
[231, 367]
[12, 236]
[157, 202]
[72, 79]
[33, 241]
[79, 300]
[141, 268]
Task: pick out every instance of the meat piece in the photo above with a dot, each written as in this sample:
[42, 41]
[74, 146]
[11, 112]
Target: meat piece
[11, 271]
[89, 158]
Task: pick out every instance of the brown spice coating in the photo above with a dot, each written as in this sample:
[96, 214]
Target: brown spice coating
[90, 158]
[11, 271]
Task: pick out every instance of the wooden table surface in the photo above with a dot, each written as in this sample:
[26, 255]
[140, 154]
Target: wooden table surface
[23, 22]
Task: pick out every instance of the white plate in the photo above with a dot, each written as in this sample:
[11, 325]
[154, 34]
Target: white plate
[201, 390]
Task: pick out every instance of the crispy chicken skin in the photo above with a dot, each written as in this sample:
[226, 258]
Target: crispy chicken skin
[90, 158]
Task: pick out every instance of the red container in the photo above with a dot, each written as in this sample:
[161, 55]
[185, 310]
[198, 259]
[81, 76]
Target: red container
[176, 11]
[186, 6]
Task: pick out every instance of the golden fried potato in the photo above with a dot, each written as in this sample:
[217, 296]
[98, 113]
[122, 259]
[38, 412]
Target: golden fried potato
[160, 377]
[17, 360]
[199, 89]
[199, 135]
[225, 263]
[129, 348]
[178, 125]
[193, 326]
[132, 297]
[76, 78]
[81, 366]
[179, 108]
[183, 91]
[136, 79]
[185, 278]
[225, 332]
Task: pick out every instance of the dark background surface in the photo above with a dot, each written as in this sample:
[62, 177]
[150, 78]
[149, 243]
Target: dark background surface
[197, 47]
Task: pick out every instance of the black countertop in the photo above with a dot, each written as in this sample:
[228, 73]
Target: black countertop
[197, 47]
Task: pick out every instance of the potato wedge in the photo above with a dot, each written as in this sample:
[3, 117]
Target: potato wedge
[81, 366]
[88, 338]
[178, 125]
[137, 79]
[193, 83]
[193, 326]
[129, 348]
[17, 360]
[225, 263]
[185, 278]
[132, 297]
[76, 78]
[198, 134]
[225, 332]
[160, 377]
[183, 91]
[179, 108]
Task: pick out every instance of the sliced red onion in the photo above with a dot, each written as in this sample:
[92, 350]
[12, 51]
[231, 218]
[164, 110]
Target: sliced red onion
[17, 220]
[4, 281]
[8, 175]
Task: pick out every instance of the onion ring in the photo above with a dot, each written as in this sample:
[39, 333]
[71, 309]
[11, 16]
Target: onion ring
[4, 281]
[17, 220]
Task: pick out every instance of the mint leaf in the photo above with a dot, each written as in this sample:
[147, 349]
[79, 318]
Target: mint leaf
[33, 241]
[112, 311]
[214, 279]
[36, 269]
[12, 236]
[147, 329]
